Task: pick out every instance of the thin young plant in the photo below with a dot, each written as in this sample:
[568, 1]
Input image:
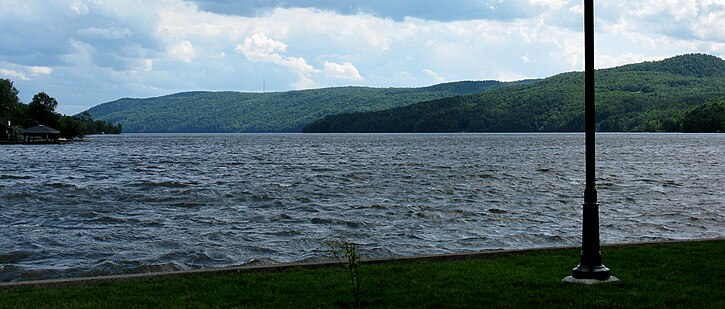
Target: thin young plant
[347, 254]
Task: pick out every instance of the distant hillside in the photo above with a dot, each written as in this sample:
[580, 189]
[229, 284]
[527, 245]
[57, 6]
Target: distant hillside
[267, 112]
[668, 95]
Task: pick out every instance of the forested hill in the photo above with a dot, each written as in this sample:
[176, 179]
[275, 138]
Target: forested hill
[682, 93]
[267, 112]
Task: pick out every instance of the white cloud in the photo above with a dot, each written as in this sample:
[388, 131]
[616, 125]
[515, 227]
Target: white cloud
[577, 9]
[259, 47]
[183, 51]
[511, 76]
[298, 65]
[79, 7]
[434, 76]
[345, 70]
[700, 19]
[110, 33]
[37, 71]
[79, 54]
[13, 74]
[145, 65]
[24, 72]
[551, 4]
[608, 61]
[304, 82]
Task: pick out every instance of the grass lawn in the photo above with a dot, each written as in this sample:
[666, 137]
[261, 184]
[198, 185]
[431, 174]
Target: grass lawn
[689, 275]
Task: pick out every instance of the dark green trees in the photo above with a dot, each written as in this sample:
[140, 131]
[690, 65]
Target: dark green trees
[671, 95]
[10, 106]
[8, 97]
[91, 126]
[41, 110]
[705, 118]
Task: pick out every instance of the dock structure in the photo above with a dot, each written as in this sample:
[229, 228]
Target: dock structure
[40, 134]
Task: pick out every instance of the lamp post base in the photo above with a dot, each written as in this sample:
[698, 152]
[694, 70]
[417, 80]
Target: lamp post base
[571, 279]
[598, 272]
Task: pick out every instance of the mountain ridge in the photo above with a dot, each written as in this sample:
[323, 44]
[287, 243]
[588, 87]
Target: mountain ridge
[288, 111]
[647, 96]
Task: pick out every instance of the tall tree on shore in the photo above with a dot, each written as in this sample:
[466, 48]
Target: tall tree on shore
[8, 98]
[42, 109]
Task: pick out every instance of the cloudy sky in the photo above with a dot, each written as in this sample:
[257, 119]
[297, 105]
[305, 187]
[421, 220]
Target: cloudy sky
[87, 52]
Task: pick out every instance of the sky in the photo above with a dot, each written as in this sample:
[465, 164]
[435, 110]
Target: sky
[88, 52]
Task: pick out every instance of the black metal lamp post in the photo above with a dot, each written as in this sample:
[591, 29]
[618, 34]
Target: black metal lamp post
[590, 265]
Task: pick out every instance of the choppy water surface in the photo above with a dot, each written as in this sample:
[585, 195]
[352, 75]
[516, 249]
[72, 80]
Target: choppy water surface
[139, 203]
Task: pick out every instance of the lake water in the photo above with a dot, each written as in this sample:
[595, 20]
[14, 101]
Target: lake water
[142, 203]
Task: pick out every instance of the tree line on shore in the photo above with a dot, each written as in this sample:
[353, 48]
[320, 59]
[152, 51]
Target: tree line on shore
[41, 110]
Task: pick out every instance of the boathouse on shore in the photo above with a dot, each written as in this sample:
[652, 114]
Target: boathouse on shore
[40, 134]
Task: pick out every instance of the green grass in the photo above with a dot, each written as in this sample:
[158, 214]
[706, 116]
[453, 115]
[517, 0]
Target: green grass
[671, 275]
